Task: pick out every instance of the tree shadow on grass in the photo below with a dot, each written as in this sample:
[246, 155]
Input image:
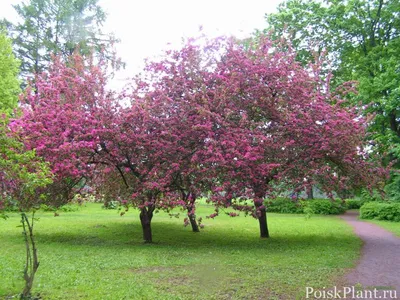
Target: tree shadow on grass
[124, 235]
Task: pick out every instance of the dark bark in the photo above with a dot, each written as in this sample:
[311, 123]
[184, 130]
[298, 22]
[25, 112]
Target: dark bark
[193, 222]
[190, 199]
[394, 124]
[310, 193]
[31, 263]
[261, 214]
[262, 220]
[146, 214]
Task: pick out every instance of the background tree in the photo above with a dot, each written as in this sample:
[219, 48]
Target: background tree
[361, 38]
[9, 69]
[23, 175]
[61, 27]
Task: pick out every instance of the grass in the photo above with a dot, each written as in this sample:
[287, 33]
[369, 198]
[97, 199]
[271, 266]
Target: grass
[96, 254]
[390, 226]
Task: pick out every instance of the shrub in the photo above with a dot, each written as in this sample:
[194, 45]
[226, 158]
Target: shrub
[367, 196]
[381, 211]
[325, 206]
[69, 208]
[64, 208]
[284, 206]
[393, 189]
[315, 206]
[353, 203]
[10, 205]
[111, 204]
[82, 198]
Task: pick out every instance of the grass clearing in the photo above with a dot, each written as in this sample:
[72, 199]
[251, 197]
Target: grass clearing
[96, 254]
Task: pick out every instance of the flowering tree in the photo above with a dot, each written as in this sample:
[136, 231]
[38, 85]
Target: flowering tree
[59, 119]
[177, 88]
[86, 135]
[262, 121]
[287, 129]
[224, 118]
[241, 121]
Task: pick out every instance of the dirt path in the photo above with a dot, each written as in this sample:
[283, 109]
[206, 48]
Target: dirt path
[379, 266]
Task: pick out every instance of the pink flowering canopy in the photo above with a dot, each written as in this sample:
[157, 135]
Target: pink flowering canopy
[238, 122]
[62, 117]
[288, 130]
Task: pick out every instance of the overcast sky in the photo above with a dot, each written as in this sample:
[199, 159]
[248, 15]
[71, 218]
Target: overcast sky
[146, 27]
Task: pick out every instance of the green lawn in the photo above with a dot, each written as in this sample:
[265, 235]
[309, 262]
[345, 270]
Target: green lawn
[391, 226]
[96, 254]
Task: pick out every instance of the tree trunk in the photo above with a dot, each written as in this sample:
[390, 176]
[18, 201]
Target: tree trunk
[261, 215]
[262, 219]
[394, 124]
[31, 263]
[310, 192]
[193, 222]
[190, 198]
[146, 214]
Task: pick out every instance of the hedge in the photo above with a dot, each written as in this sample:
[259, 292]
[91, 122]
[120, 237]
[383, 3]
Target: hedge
[325, 207]
[381, 211]
[315, 206]
[354, 204]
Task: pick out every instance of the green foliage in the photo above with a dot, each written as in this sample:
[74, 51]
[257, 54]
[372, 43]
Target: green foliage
[64, 208]
[60, 27]
[22, 173]
[96, 254]
[362, 38]
[367, 196]
[393, 189]
[325, 206]
[22, 176]
[381, 211]
[309, 207]
[111, 204]
[284, 206]
[11, 205]
[9, 69]
[353, 203]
